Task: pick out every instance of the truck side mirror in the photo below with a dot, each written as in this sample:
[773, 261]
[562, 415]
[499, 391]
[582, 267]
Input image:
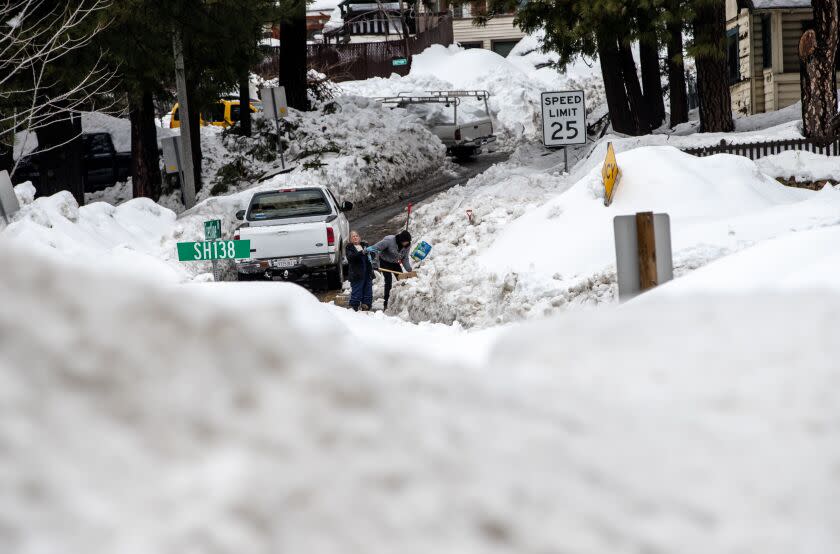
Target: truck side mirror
[240, 215]
[346, 206]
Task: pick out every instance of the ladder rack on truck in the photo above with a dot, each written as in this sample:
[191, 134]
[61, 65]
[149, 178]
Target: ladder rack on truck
[405, 100]
[463, 140]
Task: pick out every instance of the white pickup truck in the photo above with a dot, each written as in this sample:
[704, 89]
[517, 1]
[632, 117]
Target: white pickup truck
[468, 130]
[295, 233]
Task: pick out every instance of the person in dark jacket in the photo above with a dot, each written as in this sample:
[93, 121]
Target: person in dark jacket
[393, 255]
[361, 273]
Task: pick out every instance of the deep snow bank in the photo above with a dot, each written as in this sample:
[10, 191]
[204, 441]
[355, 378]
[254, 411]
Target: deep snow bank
[801, 166]
[364, 152]
[137, 237]
[531, 251]
[804, 260]
[146, 419]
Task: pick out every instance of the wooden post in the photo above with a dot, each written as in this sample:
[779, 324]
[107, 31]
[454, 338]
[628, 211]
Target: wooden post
[647, 250]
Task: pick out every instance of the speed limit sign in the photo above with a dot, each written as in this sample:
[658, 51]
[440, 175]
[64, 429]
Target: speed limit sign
[564, 118]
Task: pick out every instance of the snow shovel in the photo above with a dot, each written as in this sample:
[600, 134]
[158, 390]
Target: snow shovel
[401, 274]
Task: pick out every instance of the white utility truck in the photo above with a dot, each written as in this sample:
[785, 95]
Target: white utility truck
[295, 233]
[467, 132]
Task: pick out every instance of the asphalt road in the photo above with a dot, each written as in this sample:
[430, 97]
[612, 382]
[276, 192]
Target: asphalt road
[377, 223]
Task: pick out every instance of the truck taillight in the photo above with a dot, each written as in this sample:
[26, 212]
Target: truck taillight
[457, 134]
[330, 236]
[236, 235]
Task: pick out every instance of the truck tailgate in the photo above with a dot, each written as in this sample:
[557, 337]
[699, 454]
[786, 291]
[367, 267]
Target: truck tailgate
[472, 130]
[280, 241]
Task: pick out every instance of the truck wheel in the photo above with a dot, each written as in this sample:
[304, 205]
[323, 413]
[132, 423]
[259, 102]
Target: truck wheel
[335, 276]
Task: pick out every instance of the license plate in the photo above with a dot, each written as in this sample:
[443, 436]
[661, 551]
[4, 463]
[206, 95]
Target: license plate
[284, 263]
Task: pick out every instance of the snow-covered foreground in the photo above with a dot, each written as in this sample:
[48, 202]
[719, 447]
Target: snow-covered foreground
[139, 417]
[542, 241]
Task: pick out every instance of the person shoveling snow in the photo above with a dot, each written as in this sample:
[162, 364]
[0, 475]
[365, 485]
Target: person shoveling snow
[393, 255]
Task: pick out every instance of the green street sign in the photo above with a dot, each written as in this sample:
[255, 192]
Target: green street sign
[399, 61]
[213, 250]
[212, 229]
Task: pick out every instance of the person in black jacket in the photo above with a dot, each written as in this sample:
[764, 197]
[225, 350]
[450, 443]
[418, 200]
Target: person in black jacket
[361, 273]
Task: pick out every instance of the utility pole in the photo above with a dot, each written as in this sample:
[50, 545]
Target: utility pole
[188, 175]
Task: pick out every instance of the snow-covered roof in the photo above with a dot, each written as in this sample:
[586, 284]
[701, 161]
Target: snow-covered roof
[774, 4]
[322, 5]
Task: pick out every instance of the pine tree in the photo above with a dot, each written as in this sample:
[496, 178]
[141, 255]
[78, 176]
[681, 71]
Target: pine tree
[293, 53]
[674, 16]
[709, 51]
[818, 51]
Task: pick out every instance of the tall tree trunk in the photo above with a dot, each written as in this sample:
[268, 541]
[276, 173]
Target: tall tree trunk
[195, 129]
[676, 70]
[712, 77]
[817, 51]
[638, 107]
[617, 102]
[293, 55]
[654, 97]
[60, 163]
[145, 163]
[244, 103]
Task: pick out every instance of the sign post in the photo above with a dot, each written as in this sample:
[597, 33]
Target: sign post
[274, 103]
[643, 256]
[564, 120]
[171, 147]
[8, 199]
[213, 232]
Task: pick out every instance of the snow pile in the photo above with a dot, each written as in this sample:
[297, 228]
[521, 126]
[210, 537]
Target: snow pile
[146, 419]
[135, 238]
[801, 166]
[805, 260]
[519, 261]
[514, 83]
[363, 152]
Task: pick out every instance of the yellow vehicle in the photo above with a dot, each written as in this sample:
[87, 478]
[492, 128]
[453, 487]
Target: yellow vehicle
[224, 114]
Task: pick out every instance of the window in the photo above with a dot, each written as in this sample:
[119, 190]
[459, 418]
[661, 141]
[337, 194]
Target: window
[766, 42]
[465, 9]
[98, 144]
[732, 55]
[468, 45]
[291, 203]
[234, 112]
[503, 47]
[218, 112]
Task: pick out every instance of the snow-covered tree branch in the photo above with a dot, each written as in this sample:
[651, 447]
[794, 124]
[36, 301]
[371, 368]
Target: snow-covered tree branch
[45, 67]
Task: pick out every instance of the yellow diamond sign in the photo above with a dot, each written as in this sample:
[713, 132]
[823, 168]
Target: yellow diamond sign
[611, 174]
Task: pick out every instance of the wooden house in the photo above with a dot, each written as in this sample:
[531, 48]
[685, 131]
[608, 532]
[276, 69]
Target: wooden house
[762, 52]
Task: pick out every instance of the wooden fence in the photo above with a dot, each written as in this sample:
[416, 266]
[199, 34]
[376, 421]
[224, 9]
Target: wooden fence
[756, 150]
